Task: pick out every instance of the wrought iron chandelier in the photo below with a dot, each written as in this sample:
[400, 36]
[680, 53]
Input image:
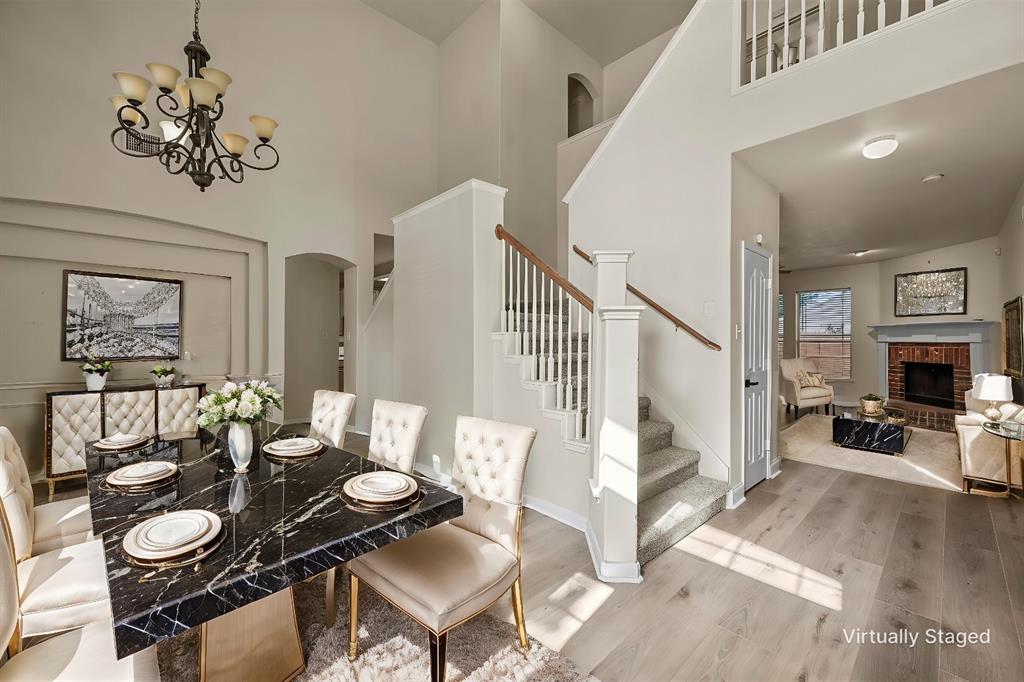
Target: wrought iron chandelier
[189, 142]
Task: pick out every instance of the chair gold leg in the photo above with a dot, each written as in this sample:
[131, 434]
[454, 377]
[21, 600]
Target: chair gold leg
[14, 646]
[331, 602]
[51, 484]
[517, 609]
[353, 616]
[438, 655]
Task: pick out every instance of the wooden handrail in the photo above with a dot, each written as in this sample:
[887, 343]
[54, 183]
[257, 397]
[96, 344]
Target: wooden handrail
[584, 300]
[649, 301]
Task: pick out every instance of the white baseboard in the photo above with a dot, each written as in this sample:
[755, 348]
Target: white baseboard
[556, 512]
[611, 571]
[735, 497]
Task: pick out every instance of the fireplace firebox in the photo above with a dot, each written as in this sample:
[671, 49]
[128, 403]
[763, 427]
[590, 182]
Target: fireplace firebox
[929, 383]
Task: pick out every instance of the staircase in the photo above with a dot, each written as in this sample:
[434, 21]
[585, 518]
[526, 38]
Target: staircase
[673, 498]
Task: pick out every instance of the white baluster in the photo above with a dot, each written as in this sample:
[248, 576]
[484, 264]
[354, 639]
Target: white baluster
[533, 332]
[881, 14]
[540, 346]
[821, 27]
[802, 50]
[519, 302]
[928, 4]
[785, 33]
[504, 287]
[568, 354]
[770, 44]
[904, 9]
[860, 18]
[590, 365]
[511, 289]
[840, 26]
[753, 40]
[579, 370]
[551, 329]
[559, 396]
[524, 305]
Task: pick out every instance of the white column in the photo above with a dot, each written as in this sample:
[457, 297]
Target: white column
[615, 442]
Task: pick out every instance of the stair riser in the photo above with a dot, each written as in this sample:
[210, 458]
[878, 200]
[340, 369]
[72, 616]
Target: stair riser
[652, 549]
[656, 442]
[644, 414]
[668, 481]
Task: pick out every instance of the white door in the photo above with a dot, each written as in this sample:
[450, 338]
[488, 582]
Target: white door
[757, 345]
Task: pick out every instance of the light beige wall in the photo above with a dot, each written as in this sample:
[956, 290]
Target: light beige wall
[311, 332]
[984, 301]
[623, 76]
[1011, 241]
[224, 280]
[469, 99]
[572, 155]
[536, 61]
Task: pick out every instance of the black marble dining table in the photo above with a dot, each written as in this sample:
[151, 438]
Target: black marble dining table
[283, 523]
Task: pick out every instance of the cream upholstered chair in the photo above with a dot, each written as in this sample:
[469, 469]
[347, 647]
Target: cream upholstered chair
[61, 588]
[445, 575]
[83, 654]
[177, 411]
[799, 396]
[331, 412]
[394, 436]
[48, 526]
[983, 455]
[129, 412]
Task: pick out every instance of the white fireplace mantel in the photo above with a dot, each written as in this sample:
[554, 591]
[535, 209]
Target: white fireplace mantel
[982, 335]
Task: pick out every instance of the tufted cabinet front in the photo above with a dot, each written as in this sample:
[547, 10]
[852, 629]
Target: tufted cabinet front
[488, 471]
[16, 494]
[74, 419]
[331, 412]
[395, 434]
[130, 412]
[177, 410]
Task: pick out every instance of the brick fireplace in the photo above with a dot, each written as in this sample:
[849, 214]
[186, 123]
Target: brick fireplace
[956, 354]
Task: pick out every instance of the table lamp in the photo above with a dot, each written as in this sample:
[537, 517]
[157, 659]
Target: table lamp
[993, 388]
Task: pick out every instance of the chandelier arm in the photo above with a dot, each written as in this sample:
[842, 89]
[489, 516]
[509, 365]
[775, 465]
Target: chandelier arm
[225, 173]
[255, 150]
[173, 105]
[136, 109]
[176, 154]
[217, 110]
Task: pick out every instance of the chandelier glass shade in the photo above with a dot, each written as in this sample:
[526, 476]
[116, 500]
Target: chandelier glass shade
[189, 141]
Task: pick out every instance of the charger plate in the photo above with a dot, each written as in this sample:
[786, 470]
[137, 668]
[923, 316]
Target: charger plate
[285, 445]
[381, 487]
[141, 489]
[142, 473]
[377, 508]
[134, 445]
[193, 557]
[292, 459]
[294, 452]
[169, 536]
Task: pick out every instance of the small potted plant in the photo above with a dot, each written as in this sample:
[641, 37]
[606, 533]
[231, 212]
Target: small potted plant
[95, 372]
[163, 375]
[871, 404]
[241, 406]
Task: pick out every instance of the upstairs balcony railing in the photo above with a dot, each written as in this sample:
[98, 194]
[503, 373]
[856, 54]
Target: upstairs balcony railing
[779, 34]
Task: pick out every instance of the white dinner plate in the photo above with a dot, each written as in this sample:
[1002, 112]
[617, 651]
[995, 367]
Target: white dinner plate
[289, 444]
[142, 473]
[173, 534]
[121, 439]
[380, 487]
[292, 452]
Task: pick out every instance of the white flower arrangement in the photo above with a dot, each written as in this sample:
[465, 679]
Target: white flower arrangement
[97, 366]
[245, 403]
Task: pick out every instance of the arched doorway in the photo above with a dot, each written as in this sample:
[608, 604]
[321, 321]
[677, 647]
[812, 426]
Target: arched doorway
[580, 105]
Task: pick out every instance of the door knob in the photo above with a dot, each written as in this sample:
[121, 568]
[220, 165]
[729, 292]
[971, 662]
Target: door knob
[747, 383]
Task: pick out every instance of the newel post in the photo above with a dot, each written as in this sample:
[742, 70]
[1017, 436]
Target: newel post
[616, 448]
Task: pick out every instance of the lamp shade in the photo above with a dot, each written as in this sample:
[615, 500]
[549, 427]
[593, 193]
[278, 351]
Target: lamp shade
[135, 88]
[171, 130]
[129, 116]
[264, 127]
[995, 387]
[165, 76]
[204, 92]
[183, 94]
[235, 143]
[217, 77]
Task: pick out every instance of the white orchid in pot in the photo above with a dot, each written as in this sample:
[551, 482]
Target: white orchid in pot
[95, 372]
[240, 406]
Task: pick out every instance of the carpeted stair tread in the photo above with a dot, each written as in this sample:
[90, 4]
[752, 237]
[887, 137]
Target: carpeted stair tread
[666, 468]
[654, 436]
[668, 517]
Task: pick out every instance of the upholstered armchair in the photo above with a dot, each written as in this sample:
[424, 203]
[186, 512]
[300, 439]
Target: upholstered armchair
[62, 585]
[86, 654]
[394, 436]
[983, 455]
[445, 575]
[799, 396]
[331, 412]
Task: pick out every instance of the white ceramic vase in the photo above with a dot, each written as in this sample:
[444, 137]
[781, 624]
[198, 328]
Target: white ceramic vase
[240, 445]
[94, 382]
[164, 381]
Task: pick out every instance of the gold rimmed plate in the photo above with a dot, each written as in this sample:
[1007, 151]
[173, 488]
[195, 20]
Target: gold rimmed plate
[193, 557]
[378, 508]
[171, 535]
[142, 473]
[134, 445]
[381, 487]
[141, 489]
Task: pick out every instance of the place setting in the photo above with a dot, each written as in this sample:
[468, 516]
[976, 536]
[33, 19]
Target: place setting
[290, 449]
[122, 442]
[380, 491]
[142, 477]
[173, 540]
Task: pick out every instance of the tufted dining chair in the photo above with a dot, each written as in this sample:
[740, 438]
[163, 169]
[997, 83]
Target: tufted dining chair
[129, 412]
[83, 654]
[177, 411]
[394, 436]
[331, 412]
[445, 575]
[61, 571]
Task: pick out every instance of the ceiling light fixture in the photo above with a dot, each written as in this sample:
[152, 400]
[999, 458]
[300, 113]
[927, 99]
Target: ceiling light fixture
[880, 147]
[189, 142]
[859, 253]
[934, 177]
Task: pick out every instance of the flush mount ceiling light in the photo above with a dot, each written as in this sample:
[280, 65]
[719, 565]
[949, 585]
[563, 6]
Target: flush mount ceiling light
[859, 253]
[934, 177]
[189, 142]
[880, 147]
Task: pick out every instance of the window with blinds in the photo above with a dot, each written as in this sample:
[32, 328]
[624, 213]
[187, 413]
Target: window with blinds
[781, 309]
[824, 330]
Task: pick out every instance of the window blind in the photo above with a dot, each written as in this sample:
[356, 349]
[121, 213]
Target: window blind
[824, 331]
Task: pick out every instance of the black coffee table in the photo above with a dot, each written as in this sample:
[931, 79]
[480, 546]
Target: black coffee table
[874, 433]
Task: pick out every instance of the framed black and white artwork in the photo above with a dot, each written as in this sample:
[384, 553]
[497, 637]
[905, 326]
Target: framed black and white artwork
[933, 292]
[120, 317]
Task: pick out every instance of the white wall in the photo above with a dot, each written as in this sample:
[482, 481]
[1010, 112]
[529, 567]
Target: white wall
[571, 156]
[660, 182]
[380, 336]
[358, 135]
[623, 76]
[536, 61]
[1011, 241]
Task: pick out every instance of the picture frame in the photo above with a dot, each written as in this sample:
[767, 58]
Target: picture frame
[930, 292]
[1013, 338]
[113, 316]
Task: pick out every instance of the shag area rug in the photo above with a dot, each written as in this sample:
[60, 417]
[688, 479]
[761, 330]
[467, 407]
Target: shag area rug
[930, 457]
[391, 646]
